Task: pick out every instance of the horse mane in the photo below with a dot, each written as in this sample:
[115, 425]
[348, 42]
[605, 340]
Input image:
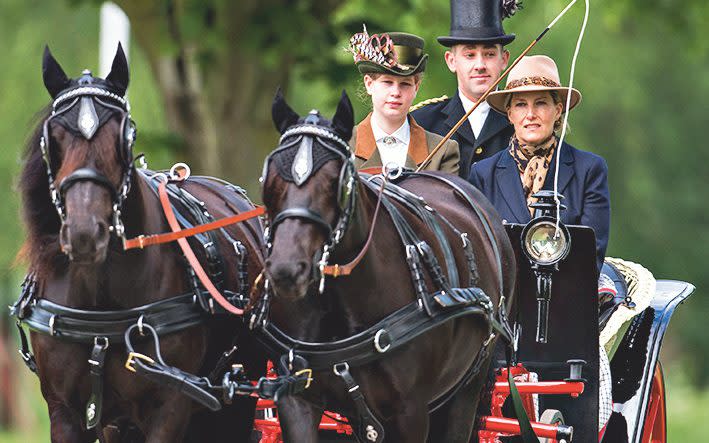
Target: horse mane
[41, 250]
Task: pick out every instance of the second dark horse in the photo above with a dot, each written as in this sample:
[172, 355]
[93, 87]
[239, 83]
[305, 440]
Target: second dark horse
[314, 197]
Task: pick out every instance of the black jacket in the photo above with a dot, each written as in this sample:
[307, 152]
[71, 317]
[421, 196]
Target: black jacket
[440, 117]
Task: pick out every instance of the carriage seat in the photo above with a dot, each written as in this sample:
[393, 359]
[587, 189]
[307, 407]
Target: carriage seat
[625, 290]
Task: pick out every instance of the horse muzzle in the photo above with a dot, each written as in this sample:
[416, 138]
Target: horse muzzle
[86, 242]
[289, 279]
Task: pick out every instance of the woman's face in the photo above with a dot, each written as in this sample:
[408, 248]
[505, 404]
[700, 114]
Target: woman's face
[533, 115]
[391, 95]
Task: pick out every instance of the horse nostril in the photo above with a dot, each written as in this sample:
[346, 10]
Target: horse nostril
[64, 238]
[101, 229]
[301, 266]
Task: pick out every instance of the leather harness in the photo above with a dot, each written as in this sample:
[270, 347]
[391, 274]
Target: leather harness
[430, 309]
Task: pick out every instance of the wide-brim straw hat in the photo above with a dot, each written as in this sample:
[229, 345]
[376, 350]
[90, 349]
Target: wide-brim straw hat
[395, 53]
[531, 74]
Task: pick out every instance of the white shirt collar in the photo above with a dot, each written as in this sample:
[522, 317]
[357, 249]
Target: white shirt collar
[478, 117]
[402, 135]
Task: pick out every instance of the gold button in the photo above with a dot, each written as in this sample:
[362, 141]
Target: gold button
[479, 150]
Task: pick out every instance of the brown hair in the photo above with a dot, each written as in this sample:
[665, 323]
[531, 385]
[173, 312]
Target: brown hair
[375, 75]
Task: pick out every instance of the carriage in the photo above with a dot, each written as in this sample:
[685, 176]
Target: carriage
[549, 367]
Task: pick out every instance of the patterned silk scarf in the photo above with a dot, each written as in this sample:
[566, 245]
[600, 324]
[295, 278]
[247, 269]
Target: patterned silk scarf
[533, 164]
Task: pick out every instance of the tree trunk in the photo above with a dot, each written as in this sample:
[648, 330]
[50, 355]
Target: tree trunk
[217, 99]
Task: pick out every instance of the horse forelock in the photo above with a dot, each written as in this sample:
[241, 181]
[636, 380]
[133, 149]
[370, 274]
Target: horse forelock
[101, 152]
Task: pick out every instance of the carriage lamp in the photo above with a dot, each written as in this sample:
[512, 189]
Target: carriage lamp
[545, 243]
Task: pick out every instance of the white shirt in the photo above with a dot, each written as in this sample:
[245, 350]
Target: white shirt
[477, 118]
[392, 147]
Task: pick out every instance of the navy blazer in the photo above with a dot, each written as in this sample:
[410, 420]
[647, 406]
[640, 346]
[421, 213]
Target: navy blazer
[583, 181]
[441, 116]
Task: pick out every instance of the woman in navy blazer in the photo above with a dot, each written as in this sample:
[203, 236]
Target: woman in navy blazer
[533, 101]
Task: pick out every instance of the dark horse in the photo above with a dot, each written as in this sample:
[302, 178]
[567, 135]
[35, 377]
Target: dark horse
[80, 199]
[311, 202]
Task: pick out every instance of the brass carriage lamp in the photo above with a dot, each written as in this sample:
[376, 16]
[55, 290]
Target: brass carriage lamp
[545, 242]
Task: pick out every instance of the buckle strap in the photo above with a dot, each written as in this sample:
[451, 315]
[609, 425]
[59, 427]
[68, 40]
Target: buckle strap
[368, 427]
[284, 385]
[96, 363]
[173, 378]
[157, 371]
[24, 350]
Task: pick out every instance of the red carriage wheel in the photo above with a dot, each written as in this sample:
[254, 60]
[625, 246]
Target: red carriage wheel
[655, 427]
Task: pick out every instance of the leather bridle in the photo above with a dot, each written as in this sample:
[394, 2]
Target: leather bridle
[65, 102]
[346, 191]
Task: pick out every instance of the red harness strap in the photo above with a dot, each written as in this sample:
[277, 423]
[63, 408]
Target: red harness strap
[175, 226]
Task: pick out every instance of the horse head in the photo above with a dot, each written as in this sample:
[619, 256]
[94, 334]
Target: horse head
[308, 190]
[87, 145]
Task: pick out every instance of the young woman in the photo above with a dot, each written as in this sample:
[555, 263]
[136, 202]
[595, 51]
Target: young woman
[534, 101]
[392, 65]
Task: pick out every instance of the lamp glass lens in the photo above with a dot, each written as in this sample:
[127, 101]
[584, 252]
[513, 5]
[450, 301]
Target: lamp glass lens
[545, 244]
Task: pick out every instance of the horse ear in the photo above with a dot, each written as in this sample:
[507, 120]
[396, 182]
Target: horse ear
[283, 116]
[55, 80]
[343, 120]
[119, 77]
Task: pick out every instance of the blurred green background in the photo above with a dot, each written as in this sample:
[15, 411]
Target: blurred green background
[203, 74]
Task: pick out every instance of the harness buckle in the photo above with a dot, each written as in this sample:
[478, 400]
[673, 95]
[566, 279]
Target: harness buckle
[488, 340]
[377, 344]
[309, 373]
[52, 320]
[140, 325]
[340, 368]
[175, 174]
[101, 341]
[141, 241]
[392, 171]
[132, 356]
[26, 356]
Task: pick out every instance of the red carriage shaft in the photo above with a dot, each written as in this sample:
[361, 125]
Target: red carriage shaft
[573, 389]
[501, 425]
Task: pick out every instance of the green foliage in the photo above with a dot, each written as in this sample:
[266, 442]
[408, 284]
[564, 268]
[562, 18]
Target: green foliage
[72, 34]
[641, 70]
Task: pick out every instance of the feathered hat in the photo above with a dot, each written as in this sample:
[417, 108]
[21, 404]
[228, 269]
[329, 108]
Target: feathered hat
[395, 53]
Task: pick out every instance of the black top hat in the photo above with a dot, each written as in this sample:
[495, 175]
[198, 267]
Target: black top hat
[479, 21]
[395, 53]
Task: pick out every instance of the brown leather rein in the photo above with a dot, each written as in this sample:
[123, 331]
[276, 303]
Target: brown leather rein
[347, 268]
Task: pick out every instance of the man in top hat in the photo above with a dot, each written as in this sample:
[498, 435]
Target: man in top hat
[477, 57]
